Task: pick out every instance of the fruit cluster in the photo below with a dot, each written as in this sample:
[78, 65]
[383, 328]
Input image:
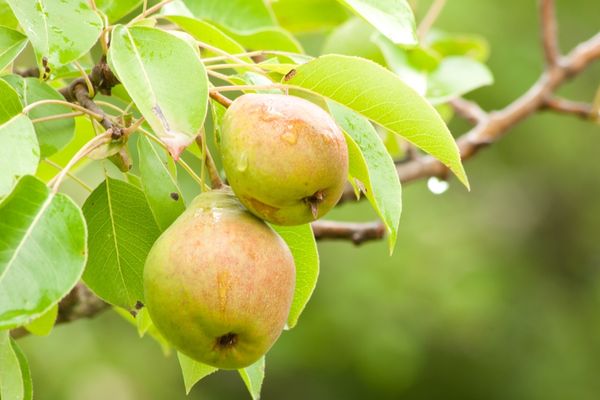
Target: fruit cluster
[219, 282]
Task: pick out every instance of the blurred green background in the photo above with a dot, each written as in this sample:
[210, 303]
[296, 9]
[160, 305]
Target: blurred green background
[492, 294]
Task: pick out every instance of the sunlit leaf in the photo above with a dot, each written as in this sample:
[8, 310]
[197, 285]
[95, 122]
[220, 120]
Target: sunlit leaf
[11, 44]
[60, 30]
[117, 9]
[253, 377]
[374, 168]
[456, 76]
[121, 233]
[52, 135]
[42, 326]
[381, 96]
[166, 80]
[309, 15]
[15, 378]
[236, 15]
[301, 241]
[42, 251]
[193, 371]
[159, 180]
[393, 18]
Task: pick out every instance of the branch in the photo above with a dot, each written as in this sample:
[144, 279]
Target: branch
[582, 110]
[549, 32]
[79, 303]
[357, 232]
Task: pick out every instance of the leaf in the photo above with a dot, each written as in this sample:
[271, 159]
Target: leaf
[143, 321]
[121, 233]
[193, 371]
[15, 378]
[378, 94]
[393, 18]
[11, 105]
[7, 18]
[253, 377]
[373, 167]
[159, 180]
[274, 38]
[450, 44]
[240, 16]
[353, 38]
[52, 135]
[456, 76]
[12, 44]
[300, 16]
[42, 326]
[301, 241]
[210, 34]
[25, 372]
[149, 327]
[19, 152]
[42, 251]
[61, 30]
[117, 9]
[160, 71]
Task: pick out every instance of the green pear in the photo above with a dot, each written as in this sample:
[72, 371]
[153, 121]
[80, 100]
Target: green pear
[219, 283]
[285, 158]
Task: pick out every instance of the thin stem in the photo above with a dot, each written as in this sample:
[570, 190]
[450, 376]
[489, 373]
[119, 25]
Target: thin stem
[432, 14]
[57, 116]
[94, 143]
[183, 164]
[62, 103]
[250, 54]
[215, 178]
[130, 129]
[149, 11]
[219, 75]
[86, 78]
[236, 88]
[596, 102]
[110, 105]
[231, 57]
[219, 98]
[549, 32]
[69, 174]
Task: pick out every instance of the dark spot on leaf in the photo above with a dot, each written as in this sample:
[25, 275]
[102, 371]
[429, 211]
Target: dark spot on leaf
[289, 75]
[175, 196]
[139, 305]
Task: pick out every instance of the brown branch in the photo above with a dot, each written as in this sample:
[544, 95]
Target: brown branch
[215, 178]
[469, 110]
[79, 303]
[582, 110]
[357, 232]
[549, 32]
[219, 98]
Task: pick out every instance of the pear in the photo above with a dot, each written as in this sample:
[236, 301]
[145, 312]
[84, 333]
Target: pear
[285, 158]
[219, 283]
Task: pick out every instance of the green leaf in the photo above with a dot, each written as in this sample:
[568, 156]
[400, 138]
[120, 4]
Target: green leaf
[143, 322]
[301, 16]
[159, 180]
[148, 327]
[52, 135]
[61, 30]
[15, 378]
[160, 71]
[11, 105]
[42, 251]
[456, 76]
[192, 371]
[19, 152]
[117, 9]
[449, 44]
[353, 38]
[25, 372]
[301, 241]
[373, 167]
[208, 33]
[253, 377]
[121, 233]
[11, 44]
[274, 38]
[7, 18]
[42, 326]
[378, 94]
[393, 18]
[239, 16]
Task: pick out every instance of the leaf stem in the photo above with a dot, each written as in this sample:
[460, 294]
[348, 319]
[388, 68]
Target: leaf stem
[149, 11]
[69, 174]
[62, 103]
[250, 54]
[57, 116]
[235, 88]
[209, 162]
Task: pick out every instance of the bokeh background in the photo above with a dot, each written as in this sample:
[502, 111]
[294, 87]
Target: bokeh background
[492, 294]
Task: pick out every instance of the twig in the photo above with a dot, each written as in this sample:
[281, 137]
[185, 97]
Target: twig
[549, 32]
[149, 11]
[218, 97]
[582, 110]
[469, 110]
[434, 11]
[215, 178]
[357, 232]
[69, 174]
[79, 108]
[57, 116]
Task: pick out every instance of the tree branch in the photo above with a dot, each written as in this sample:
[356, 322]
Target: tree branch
[549, 32]
[357, 232]
[582, 110]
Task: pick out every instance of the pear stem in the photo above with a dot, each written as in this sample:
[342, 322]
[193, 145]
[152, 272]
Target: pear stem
[215, 179]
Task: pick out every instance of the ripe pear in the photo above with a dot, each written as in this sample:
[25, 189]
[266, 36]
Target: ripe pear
[219, 283]
[285, 157]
